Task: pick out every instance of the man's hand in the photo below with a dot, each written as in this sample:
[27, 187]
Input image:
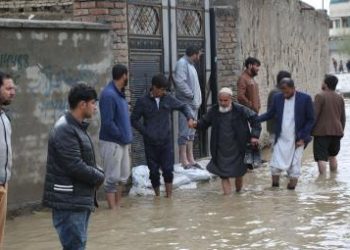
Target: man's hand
[254, 141]
[100, 169]
[191, 123]
[300, 143]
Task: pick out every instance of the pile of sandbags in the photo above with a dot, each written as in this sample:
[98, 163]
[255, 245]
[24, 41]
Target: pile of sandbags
[183, 178]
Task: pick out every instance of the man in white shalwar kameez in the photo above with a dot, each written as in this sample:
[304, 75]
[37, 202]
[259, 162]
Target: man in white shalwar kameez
[293, 111]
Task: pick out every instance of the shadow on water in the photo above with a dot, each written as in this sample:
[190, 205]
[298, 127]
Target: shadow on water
[315, 216]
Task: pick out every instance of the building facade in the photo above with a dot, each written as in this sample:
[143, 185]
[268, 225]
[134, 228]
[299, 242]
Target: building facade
[149, 36]
[339, 34]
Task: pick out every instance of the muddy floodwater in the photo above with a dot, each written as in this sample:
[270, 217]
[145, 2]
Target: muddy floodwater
[314, 216]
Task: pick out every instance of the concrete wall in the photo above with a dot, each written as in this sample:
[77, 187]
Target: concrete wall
[46, 59]
[283, 36]
[281, 33]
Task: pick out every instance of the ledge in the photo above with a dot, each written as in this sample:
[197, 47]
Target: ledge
[40, 24]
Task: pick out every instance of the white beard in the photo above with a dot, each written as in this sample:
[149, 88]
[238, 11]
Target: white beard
[225, 109]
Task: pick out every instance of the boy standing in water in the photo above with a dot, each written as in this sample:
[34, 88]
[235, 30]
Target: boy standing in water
[155, 108]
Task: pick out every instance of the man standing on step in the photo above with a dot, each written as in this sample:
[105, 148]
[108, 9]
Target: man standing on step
[188, 91]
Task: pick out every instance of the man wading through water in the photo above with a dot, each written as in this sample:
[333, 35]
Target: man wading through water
[230, 134]
[156, 108]
[115, 135]
[294, 116]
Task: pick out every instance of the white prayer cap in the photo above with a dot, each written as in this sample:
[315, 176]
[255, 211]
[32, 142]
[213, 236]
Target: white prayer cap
[226, 91]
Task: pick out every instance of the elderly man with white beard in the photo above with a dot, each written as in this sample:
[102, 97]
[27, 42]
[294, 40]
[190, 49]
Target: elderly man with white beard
[233, 127]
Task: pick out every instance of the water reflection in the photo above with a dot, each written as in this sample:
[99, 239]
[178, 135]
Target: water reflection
[315, 216]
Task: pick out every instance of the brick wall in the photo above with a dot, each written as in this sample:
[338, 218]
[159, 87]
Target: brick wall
[37, 9]
[226, 25]
[112, 12]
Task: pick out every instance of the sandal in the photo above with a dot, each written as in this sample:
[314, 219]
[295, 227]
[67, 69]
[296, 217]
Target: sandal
[186, 167]
[197, 166]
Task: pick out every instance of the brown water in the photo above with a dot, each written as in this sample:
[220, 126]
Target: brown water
[315, 216]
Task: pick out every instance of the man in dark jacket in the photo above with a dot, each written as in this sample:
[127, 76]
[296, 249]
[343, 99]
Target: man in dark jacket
[155, 108]
[230, 133]
[72, 175]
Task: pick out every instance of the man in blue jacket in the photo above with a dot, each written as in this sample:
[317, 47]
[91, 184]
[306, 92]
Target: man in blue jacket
[294, 116]
[156, 108]
[115, 135]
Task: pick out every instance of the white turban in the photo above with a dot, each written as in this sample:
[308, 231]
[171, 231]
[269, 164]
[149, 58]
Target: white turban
[226, 91]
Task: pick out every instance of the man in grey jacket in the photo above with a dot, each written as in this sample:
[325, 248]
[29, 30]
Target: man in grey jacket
[7, 93]
[189, 92]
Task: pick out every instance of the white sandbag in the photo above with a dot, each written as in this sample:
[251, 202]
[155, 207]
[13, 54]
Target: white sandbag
[183, 179]
[140, 177]
[195, 174]
[179, 180]
[140, 191]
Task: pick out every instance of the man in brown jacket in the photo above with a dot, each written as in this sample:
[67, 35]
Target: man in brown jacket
[248, 89]
[329, 124]
[248, 95]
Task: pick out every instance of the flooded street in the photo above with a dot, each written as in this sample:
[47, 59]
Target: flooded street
[315, 216]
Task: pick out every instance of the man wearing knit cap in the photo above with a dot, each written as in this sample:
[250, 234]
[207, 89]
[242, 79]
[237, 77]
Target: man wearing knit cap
[229, 135]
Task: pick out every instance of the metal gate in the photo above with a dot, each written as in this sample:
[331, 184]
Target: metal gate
[159, 31]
